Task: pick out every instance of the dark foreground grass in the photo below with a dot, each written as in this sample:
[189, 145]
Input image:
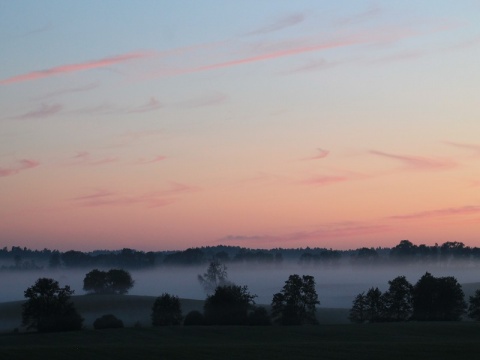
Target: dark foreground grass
[369, 341]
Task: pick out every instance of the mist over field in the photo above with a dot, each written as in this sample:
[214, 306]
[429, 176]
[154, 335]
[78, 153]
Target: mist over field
[336, 286]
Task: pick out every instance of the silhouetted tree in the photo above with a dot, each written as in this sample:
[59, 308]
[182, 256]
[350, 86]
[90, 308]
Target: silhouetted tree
[215, 276]
[398, 300]
[259, 317]
[474, 308]
[296, 303]
[358, 312]
[114, 281]
[405, 250]
[166, 311]
[54, 261]
[48, 307]
[108, 321]
[229, 305]
[438, 299]
[194, 318]
[374, 305]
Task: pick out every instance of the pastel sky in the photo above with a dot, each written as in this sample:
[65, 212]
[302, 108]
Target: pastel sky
[161, 125]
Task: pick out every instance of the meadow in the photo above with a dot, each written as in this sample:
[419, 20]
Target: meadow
[454, 340]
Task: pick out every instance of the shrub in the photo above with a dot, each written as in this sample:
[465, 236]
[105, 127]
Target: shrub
[166, 310]
[194, 318]
[108, 321]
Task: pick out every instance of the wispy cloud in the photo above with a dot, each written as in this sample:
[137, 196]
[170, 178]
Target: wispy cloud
[156, 159]
[471, 147]
[43, 111]
[19, 166]
[70, 68]
[325, 180]
[152, 105]
[366, 15]
[110, 198]
[326, 232]
[207, 100]
[280, 24]
[70, 90]
[321, 154]
[103, 197]
[85, 158]
[447, 212]
[311, 66]
[418, 162]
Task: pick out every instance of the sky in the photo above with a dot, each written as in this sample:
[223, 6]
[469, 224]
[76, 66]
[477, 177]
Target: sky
[164, 125]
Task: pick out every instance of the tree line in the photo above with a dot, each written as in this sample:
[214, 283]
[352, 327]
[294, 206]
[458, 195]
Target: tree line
[404, 252]
[430, 299]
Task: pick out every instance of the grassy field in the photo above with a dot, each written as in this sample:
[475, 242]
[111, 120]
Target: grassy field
[424, 341]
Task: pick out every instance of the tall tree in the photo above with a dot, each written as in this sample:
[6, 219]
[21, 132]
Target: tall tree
[437, 299]
[296, 303]
[114, 281]
[358, 312]
[215, 276]
[474, 308]
[398, 299]
[228, 305]
[166, 310]
[375, 307]
[48, 307]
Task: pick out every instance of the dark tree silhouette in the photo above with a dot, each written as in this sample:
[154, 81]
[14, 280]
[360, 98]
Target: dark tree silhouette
[474, 308]
[398, 300]
[215, 276]
[375, 307]
[108, 321]
[438, 299]
[194, 318]
[296, 303]
[166, 311]
[229, 305]
[259, 317]
[358, 312]
[114, 281]
[48, 307]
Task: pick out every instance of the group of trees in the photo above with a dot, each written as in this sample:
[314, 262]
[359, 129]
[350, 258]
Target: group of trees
[113, 281]
[430, 299]
[405, 251]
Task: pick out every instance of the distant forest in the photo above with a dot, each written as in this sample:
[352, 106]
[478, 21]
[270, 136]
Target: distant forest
[18, 258]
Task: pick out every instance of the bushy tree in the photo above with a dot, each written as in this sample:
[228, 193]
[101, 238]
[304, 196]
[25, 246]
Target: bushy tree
[166, 311]
[48, 307]
[398, 300]
[375, 306]
[228, 305]
[259, 317]
[194, 318]
[474, 308]
[114, 281]
[215, 276]
[437, 299]
[358, 312]
[108, 321]
[296, 303]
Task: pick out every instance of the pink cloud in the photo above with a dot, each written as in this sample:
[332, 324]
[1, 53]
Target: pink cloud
[109, 198]
[459, 211]
[85, 158]
[326, 232]
[151, 105]
[151, 161]
[152, 199]
[326, 180]
[285, 22]
[71, 90]
[42, 112]
[316, 65]
[70, 68]
[472, 147]
[21, 165]
[418, 162]
[321, 154]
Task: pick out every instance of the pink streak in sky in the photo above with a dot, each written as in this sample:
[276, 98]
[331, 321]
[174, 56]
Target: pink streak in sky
[322, 154]
[23, 164]
[43, 112]
[325, 180]
[464, 210]
[151, 161]
[64, 69]
[418, 162]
